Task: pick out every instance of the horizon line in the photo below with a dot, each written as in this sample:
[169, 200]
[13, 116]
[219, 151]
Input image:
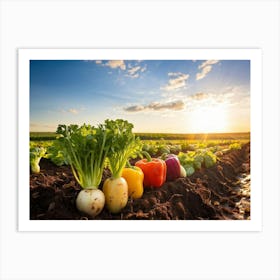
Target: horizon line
[179, 133]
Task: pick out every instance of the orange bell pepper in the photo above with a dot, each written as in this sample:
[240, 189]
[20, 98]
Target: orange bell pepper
[154, 170]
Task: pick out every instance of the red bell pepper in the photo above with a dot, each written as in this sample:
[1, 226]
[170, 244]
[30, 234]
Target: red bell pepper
[154, 170]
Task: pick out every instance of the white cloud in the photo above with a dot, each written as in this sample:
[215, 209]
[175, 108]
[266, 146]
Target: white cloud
[207, 62]
[157, 106]
[134, 76]
[178, 82]
[227, 97]
[199, 96]
[135, 108]
[235, 95]
[143, 69]
[73, 111]
[174, 105]
[204, 72]
[205, 67]
[116, 64]
[134, 71]
[174, 74]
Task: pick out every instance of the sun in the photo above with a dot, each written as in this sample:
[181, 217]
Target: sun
[209, 119]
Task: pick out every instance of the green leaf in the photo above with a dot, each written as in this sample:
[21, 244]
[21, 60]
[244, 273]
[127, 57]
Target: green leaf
[56, 155]
[235, 146]
[35, 155]
[85, 148]
[124, 145]
[189, 169]
[209, 159]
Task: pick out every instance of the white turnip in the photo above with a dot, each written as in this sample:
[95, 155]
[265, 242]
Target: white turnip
[90, 201]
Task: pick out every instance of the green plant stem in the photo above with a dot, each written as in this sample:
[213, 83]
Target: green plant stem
[147, 155]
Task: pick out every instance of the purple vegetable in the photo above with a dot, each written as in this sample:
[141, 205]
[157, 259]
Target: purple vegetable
[173, 168]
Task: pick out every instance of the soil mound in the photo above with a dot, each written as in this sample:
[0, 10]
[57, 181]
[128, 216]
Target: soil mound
[219, 192]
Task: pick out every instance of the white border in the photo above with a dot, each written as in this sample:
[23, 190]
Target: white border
[25, 55]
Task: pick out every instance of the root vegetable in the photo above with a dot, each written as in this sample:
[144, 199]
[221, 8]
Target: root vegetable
[116, 193]
[183, 172]
[86, 148]
[90, 201]
[124, 145]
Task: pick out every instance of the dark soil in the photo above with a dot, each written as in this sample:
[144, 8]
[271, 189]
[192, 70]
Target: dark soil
[209, 194]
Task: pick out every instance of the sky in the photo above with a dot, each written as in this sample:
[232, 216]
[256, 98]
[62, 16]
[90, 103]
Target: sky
[168, 96]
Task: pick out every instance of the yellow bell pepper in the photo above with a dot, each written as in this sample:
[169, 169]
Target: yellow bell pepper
[134, 177]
